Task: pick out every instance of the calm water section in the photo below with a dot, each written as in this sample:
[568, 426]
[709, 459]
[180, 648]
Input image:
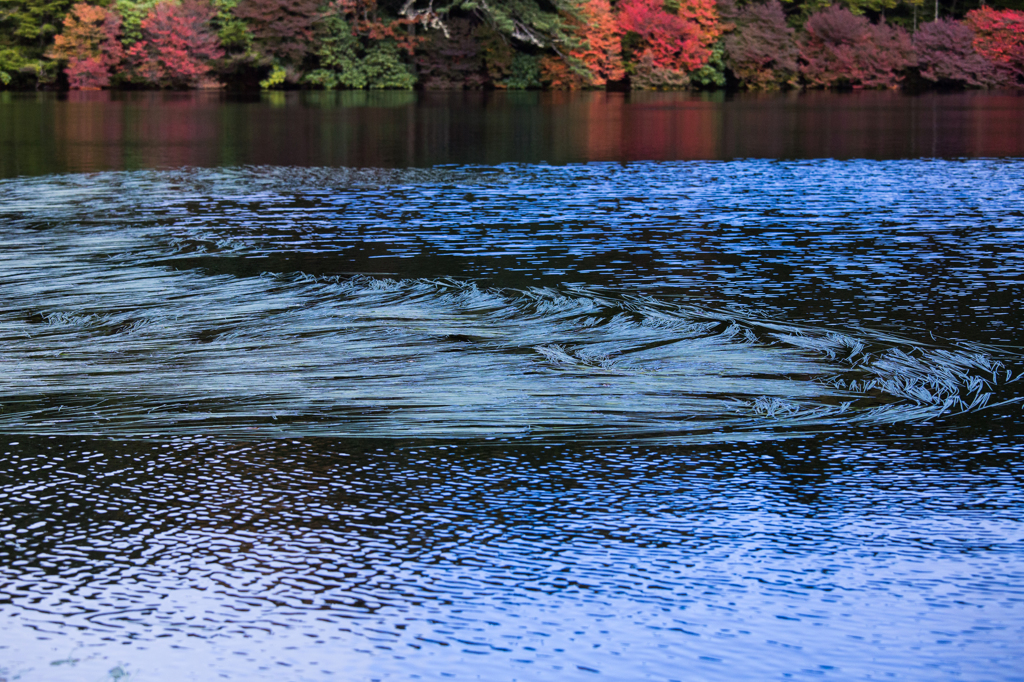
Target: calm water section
[83, 132]
[511, 386]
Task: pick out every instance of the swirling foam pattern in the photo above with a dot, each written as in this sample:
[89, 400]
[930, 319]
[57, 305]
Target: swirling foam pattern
[131, 330]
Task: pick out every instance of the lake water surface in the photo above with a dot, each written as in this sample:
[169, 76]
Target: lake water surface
[511, 386]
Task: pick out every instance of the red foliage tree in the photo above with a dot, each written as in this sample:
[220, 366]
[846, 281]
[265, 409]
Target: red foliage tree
[999, 37]
[89, 46]
[840, 48]
[677, 41]
[176, 47]
[888, 54]
[281, 29]
[946, 54]
[761, 51]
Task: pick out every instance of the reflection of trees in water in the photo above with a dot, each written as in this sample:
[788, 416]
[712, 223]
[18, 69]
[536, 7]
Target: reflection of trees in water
[86, 131]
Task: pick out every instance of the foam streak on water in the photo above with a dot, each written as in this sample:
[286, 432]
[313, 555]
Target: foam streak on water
[108, 344]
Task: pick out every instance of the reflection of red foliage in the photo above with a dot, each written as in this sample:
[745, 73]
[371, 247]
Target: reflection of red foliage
[999, 37]
[90, 46]
[843, 49]
[605, 116]
[281, 28]
[681, 41]
[660, 127]
[176, 46]
[945, 53]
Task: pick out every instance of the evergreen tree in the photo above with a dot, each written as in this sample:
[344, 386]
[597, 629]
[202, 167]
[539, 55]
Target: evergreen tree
[27, 28]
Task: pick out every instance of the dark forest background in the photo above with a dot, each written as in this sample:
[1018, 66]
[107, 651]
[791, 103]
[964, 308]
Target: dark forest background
[510, 44]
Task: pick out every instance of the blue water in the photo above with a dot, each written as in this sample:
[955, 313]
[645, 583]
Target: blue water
[664, 420]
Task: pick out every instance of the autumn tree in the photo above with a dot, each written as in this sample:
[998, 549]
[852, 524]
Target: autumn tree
[762, 51]
[999, 38]
[887, 56]
[665, 40]
[946, 54]
[842, 49]
[596, 43]
[177, 46]
[89, 46]
[282, 33]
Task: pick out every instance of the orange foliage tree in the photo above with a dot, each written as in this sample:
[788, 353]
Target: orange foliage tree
[596, 52]
[999, 37]
[89, 46]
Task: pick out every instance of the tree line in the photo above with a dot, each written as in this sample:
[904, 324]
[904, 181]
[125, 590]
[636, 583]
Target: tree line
[510, 44]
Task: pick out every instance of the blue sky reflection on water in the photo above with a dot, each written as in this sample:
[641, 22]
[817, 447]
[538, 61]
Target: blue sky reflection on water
[803, 549]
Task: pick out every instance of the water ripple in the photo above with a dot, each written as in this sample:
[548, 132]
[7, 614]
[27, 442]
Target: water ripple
[126, 336]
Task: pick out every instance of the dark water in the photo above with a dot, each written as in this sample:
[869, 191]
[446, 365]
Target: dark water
[305, 394]
[40, 133]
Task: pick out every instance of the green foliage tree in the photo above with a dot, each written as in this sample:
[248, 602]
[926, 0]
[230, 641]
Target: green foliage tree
[507, 68]
[14, 64]
[542, 25]
[346, 61]
[133, 12]
[799, 11]
[242, 64]
[27, 28]
[523, 73]
[712, 74]
[233, 33]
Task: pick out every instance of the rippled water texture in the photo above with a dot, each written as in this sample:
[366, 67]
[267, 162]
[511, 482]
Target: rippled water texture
[674, 420]
[123, 335]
